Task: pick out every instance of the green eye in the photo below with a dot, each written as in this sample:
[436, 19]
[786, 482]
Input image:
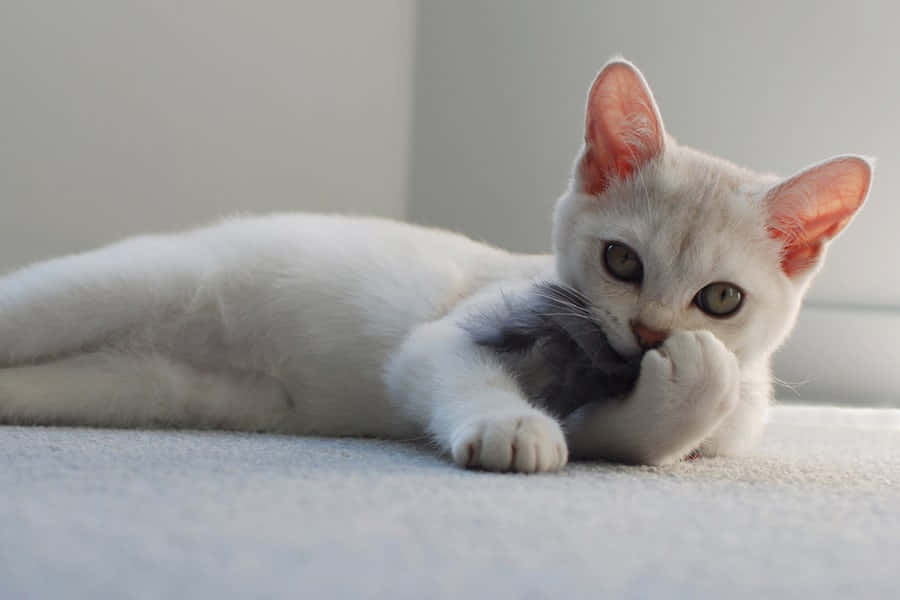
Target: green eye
[719, 299]
[622, 262]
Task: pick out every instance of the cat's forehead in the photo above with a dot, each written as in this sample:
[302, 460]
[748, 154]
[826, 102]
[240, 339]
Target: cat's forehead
[694, 196]
[697, 214]
[689, 178]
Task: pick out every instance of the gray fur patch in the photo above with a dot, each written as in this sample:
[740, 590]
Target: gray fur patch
[550, 340]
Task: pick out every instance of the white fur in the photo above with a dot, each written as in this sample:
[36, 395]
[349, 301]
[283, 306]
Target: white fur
[351, 326]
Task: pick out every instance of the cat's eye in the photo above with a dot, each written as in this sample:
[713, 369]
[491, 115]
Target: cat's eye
[720, 299]
[622, 262]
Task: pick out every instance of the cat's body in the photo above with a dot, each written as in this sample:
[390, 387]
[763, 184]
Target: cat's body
[306, 309]
[353, 326]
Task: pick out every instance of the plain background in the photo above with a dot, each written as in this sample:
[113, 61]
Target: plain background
[120, 117]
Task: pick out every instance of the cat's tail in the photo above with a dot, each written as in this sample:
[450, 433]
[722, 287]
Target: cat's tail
[116, 389]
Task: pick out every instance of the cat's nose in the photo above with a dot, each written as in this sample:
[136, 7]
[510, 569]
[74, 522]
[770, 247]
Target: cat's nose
[648, 338]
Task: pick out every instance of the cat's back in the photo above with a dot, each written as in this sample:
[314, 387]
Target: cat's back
[364, 253]
[343, 282]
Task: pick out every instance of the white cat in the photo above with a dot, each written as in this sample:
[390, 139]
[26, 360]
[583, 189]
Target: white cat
[352, 326]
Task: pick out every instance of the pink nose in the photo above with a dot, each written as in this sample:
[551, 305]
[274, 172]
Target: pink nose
[648, 338]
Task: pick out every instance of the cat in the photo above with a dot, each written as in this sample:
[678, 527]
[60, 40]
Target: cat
[332, 325]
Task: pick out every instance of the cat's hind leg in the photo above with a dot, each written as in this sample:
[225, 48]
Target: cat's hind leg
[115, 389]
[78, 302]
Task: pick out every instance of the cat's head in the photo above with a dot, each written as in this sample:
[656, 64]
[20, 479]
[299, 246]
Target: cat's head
[662, 237]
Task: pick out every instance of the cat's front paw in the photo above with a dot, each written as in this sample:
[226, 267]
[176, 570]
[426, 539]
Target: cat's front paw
[687, 386]
[699, 370]
[522, 441]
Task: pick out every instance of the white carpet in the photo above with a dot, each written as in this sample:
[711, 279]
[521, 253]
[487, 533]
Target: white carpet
[814, 513]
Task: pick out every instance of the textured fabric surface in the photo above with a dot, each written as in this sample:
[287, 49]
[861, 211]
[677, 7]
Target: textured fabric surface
[85, 513]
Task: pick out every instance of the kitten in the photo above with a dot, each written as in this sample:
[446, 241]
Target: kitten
[350, 326]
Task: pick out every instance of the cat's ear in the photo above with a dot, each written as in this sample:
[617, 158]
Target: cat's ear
[809, 209]
[623, 129]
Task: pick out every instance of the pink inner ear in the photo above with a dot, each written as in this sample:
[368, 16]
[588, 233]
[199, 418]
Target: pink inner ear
[622, 130]
[811, 208]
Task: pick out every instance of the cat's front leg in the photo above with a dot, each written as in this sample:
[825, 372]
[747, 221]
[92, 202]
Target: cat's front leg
[685, 390]
[470, 405]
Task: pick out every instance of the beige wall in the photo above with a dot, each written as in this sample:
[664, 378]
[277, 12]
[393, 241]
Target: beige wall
[118, 117]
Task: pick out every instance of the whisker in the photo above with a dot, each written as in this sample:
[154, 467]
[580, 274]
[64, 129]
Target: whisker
[792, 386]
[564, 303]
[569, 293]
[584, 317]
[565, 293]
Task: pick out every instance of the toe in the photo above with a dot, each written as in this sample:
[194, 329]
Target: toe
[497, 448]
[525, 461]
